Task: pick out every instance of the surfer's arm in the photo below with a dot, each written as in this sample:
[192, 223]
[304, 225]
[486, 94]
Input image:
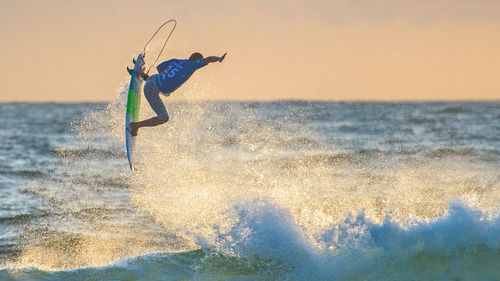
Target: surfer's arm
[214, 59]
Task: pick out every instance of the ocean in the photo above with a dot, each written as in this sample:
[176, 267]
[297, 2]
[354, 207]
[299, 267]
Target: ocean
[285, 190]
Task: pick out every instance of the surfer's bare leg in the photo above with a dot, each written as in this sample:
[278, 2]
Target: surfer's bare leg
[151, 122]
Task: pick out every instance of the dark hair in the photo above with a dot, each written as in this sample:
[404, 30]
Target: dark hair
[196, 56]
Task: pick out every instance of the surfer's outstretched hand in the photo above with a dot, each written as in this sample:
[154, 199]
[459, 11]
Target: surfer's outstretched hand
[223, 56]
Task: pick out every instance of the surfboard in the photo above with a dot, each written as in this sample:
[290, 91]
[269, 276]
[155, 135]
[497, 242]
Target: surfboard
[133, 106]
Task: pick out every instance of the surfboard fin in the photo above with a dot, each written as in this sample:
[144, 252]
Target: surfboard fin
[130, 71]
[133, 60]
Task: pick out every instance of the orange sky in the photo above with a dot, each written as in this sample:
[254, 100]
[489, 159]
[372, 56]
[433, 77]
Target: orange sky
[75, 50]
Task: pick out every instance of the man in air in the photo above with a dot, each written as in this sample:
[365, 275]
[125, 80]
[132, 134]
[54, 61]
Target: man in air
[171, 75]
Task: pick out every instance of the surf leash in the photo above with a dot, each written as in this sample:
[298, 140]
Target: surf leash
[164, 44]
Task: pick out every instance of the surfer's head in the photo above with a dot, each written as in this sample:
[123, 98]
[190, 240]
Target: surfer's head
[196, 56]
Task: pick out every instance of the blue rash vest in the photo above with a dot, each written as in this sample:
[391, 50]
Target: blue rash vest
[173, 73]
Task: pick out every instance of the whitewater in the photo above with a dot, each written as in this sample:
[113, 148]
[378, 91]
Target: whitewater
[284, 190]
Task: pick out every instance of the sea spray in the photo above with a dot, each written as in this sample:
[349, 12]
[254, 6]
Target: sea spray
[265, 191]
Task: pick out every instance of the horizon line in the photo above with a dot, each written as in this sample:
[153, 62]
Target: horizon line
[268, 101]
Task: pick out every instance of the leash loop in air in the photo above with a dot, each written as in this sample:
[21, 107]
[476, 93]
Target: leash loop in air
[164, 44]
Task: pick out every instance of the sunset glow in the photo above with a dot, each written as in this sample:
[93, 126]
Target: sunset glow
[320, 50]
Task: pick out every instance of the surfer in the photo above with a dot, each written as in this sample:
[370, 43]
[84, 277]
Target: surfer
[171, 75]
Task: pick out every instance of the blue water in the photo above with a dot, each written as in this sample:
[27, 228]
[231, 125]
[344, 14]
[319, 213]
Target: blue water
[282, 190]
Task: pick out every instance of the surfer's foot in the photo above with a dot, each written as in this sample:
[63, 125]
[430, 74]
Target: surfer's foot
[141, 73]
[134, 128]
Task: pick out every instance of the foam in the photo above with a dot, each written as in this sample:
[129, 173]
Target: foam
[281, 193]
